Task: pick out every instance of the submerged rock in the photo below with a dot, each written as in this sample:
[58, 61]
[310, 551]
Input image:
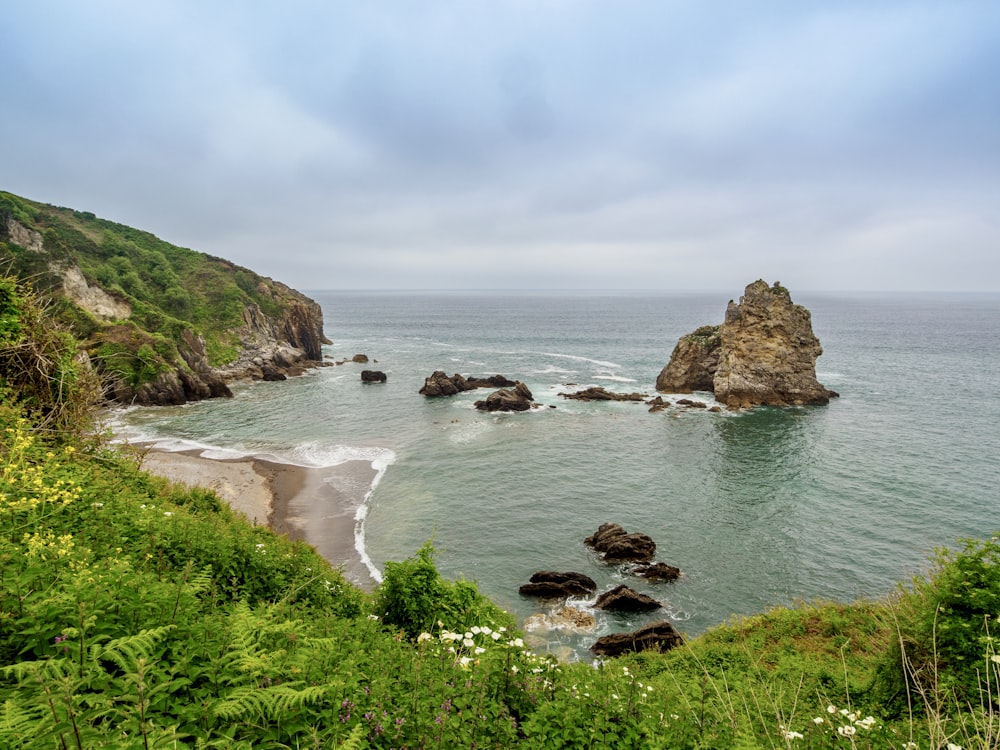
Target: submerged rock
[764, 353]
[660, 636]
[596, 393]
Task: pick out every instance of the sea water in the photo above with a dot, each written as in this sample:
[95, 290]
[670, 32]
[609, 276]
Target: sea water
[759, 508]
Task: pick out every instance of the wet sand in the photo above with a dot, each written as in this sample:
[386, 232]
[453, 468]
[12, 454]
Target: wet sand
[315, 505]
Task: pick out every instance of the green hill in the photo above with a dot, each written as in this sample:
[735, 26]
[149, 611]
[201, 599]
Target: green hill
[159, 323]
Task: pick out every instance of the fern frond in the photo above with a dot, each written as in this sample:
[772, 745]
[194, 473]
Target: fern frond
[41, 670]
[355, 740]
[17, 723]
[126, 652]
[267, 703]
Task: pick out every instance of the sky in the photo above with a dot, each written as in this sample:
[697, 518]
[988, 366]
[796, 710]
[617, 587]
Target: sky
[523, 144]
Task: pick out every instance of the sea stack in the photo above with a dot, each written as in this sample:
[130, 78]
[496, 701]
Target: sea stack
[764, 353]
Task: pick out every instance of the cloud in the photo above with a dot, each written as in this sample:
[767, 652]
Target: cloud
[640, 144]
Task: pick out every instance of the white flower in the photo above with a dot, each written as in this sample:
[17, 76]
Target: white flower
[167, 513]
[423, 637]
[479, 650]
[495, 636]
[953, 746]
[468, 643]
[476, 630]
[847, 731]
[373, 618]
[514, 669]
[831, 709]
[485, 631]
[866, 723]
[790, 735]
[818, 720]
[465, 661]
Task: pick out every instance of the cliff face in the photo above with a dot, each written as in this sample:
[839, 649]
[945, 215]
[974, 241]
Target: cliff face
[764, 353]
[160, 324]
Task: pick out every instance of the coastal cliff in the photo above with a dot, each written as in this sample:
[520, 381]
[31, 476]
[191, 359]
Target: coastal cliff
[764, 353]
[160, 324]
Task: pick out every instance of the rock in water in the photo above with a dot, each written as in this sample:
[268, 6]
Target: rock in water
[518, 398]
[660, 636]
[624, 599]
[763, 354]
[373, 376]
[616, 545]
[551, 584]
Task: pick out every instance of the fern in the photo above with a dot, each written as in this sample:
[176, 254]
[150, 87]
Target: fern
[355, 740]
[17, 723]
[126, 652]
[268, 703]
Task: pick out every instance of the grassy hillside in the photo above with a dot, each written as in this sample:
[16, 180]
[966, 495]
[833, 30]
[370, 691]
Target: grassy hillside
[136, 614]
[166, 290]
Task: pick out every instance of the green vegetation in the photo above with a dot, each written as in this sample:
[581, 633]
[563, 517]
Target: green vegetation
[136, 614]
[167, 289]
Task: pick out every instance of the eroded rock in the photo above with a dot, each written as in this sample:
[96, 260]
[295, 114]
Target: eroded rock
[764, 353]
[596, 393]
[551, 585]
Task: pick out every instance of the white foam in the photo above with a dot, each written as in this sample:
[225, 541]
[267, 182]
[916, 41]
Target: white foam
[381, 465]
[575, 358]
[553, 370]
[615, 378]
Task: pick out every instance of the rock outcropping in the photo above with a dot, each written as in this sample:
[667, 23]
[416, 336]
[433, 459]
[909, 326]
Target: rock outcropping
[660, 636]
[439, 384]
[764, 353]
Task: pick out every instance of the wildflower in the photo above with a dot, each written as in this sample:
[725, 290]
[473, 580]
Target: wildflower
[995, 659]
[374, 618]
[953, 746]
[911, 746]
[480, 650]
[847, 731]
[818, 720]
[485, 630]
[465, 661]
[167, 513]
[790, 735]
[423, 637]
[831, 709]
[495, 635]
[866, 723]
[468, 643]
[514, 669]
[476, 630]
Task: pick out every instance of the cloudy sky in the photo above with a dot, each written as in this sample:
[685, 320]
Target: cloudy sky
[621, 144]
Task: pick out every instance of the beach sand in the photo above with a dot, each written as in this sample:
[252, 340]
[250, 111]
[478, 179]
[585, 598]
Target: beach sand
[314, 505]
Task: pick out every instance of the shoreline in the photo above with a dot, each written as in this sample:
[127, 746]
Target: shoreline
[323, 506]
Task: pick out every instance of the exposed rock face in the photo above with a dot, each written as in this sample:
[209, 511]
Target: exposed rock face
[552, 585]
[439, 384]
[596, 393]
[624, 599]
[518, 398]
[19, 234]
[693, 362]
[93, 299]
[660, 636]
[578, 619]
[763, 354]
[373, 376]
[616, 545]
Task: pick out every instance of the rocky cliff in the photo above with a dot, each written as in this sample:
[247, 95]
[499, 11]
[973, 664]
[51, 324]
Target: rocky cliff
[160, 324]
[764, 353]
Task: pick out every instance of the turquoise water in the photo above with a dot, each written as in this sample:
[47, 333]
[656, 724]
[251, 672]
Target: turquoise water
[761, 508]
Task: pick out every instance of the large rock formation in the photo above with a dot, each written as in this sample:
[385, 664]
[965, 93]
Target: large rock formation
[764, 353]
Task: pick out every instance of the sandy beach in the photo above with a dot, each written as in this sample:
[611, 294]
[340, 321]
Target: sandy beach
[315, 505]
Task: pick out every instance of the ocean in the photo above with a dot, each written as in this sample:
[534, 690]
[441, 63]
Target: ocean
[760, 508]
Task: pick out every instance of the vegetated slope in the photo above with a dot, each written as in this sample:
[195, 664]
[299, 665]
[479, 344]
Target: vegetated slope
[160, 323]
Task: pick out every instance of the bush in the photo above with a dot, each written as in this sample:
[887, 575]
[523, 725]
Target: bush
[414, 597]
